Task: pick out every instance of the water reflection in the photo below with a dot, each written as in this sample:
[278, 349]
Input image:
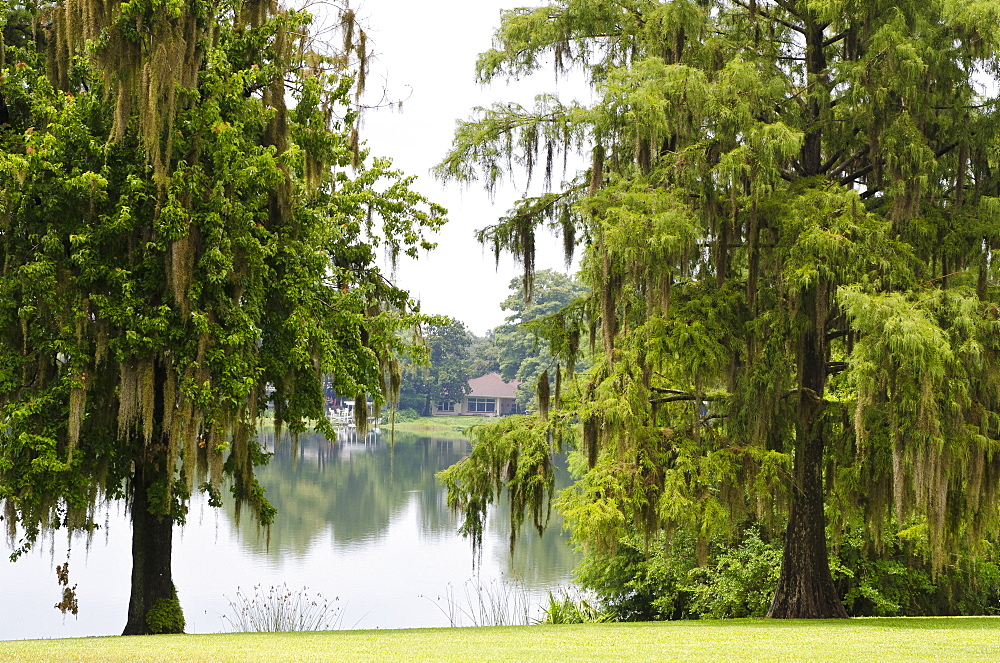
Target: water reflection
[351, 489]
[360, 519]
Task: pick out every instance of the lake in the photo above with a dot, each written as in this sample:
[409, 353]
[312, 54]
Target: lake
[361, 522]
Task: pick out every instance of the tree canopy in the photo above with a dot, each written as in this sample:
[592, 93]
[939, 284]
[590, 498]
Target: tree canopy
[789, 225]
[188, 230]
[522, 346]
[451, 363]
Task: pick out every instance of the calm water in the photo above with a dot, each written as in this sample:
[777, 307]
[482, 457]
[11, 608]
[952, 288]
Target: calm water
[362, 521]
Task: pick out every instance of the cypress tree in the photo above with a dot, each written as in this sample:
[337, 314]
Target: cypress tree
[788, 224]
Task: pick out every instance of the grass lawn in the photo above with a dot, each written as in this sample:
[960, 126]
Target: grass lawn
[437, 427]
[894, 639]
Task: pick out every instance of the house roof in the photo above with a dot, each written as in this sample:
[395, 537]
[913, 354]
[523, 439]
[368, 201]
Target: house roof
[492, 385]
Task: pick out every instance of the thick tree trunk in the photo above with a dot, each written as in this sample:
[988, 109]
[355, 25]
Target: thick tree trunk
[805, 587]
[152, 577]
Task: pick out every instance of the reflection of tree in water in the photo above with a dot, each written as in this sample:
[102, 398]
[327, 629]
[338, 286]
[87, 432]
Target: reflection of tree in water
[538, 559]
[353, 487]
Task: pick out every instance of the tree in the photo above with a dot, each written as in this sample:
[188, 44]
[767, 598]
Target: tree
[447, 376]
[483, 357]
[184, 244]
[789, 221]
[522, 350]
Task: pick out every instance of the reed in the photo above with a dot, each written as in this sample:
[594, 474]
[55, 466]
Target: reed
[279, 609]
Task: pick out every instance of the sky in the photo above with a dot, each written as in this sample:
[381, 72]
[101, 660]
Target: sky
[425, 54]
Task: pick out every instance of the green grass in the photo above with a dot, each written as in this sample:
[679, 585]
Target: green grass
[449, 428]
[896, 639]
[438, 427]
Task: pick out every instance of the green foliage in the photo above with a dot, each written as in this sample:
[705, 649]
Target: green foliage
[513, 454]
[451, 364]
[567, 610]
[523, 346]
[156, 298]
[652, 581]
[404, 416]
[898, 580]
[165, 616]
[789, 234]
[190, 230]
[740, 582]
[658, 580]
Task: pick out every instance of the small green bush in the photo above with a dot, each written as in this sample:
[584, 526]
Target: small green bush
[406, 414]
[570, 610]
[166, 616]
[740, 582]
[898, 580]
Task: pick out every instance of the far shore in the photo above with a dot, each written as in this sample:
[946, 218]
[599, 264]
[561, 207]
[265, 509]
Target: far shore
[450, 427]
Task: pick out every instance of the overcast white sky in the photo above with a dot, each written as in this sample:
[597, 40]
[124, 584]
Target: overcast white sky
[426, 53]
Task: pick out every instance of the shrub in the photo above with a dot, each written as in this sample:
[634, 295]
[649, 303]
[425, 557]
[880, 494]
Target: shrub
[166, 616]
[570, 610]
[407, 414]
[740, 582]
[898, 580]
[643, 582]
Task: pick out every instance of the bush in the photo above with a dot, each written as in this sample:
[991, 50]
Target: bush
[640, 581]
[570, 610]
[166, 616]
[740, 583]
[408, 414]
[643, 582]
[899, 580]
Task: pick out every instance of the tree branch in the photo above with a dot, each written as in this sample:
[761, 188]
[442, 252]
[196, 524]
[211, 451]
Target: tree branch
[765, 14]
[681, 397]
[833, 40]
[674, 399]
[829, 162]
[853, 177]
[848, 161]
[788, 8]
[945, 150]
[834, 367]
[873, 190]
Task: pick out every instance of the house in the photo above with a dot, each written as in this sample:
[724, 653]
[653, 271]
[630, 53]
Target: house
[489, 396]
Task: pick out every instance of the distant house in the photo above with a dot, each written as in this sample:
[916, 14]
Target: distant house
[490, 396]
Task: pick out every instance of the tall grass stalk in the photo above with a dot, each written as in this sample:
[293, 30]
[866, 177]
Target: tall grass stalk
[280, 609]
[504, 602]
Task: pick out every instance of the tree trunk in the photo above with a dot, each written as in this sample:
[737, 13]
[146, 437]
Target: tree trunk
[152, 577]
[805, 587]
